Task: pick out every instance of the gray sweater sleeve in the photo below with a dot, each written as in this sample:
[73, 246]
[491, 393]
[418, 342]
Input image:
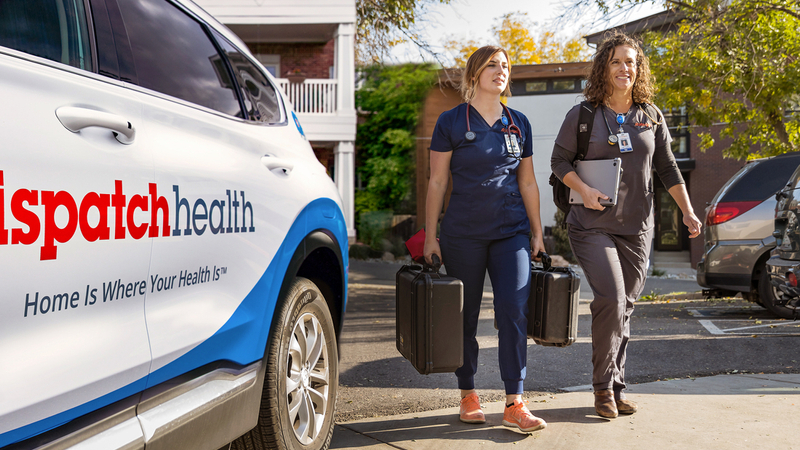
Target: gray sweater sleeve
[561, 161]
[663, 159]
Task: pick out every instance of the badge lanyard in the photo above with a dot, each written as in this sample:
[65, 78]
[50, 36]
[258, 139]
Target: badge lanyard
[512, 133]
[622, 138]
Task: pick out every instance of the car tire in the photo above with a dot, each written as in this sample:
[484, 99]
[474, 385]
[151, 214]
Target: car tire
[771, 301]
[299, 395]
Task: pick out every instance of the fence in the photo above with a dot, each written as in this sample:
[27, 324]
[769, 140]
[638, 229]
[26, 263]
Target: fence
[316, 96]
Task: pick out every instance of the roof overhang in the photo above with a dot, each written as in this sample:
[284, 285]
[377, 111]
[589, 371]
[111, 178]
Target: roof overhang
[274, 33]
[663, 21]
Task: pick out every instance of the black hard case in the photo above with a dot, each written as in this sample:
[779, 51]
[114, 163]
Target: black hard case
[553, 305]
[430, 319]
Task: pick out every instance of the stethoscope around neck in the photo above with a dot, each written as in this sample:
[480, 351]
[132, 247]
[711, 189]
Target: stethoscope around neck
[504, 119]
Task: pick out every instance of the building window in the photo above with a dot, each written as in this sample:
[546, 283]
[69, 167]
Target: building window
[536, 86]
[270, 62]
[539, 86]
[563, 85]
[677, 120]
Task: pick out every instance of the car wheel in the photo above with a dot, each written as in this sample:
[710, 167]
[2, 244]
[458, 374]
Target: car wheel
[771, 298]
[299, 394]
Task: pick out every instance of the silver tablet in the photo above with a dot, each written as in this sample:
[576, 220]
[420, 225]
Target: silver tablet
[601, 174]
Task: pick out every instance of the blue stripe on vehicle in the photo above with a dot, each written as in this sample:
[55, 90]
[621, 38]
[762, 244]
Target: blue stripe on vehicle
[242, 339]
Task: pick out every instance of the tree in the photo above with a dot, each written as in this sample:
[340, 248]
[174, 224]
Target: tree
[382, 24]
[390, 101]
[734, 62]
[512, 31]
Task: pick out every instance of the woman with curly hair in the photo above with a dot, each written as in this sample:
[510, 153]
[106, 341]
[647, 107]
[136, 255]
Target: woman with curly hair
[612, 243]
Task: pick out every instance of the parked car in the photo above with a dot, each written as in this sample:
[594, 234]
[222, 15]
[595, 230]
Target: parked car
[738, 230]
[784, 265]
[174, 257]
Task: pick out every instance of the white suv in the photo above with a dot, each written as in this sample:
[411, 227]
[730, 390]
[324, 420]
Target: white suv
[168, 239]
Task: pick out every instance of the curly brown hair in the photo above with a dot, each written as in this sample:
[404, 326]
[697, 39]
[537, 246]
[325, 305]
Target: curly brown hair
[478, 61]
[598, 88]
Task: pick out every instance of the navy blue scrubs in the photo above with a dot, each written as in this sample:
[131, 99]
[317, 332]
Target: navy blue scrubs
[486, 227]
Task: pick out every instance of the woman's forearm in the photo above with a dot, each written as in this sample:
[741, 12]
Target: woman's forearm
[681, 197]
[433, 206]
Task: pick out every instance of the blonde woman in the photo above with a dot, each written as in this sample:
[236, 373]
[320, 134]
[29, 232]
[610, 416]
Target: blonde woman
[612, 244]
[492, 223]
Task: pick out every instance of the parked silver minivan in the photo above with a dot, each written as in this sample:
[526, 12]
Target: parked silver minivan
[738, 233]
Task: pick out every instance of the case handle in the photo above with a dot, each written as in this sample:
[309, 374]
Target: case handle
[546, 260]
[433, 268]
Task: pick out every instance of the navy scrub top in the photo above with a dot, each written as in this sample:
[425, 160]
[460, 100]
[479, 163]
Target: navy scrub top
[485, 202]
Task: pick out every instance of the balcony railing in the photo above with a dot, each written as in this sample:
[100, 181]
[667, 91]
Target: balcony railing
[312, 96]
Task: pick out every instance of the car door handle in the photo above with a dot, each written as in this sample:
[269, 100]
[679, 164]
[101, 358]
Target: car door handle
[75, 119]
[275, 164]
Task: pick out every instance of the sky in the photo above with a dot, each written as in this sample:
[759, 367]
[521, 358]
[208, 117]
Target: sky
[473, 19]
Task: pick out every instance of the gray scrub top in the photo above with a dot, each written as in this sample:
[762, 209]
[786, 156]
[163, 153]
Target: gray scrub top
[633, 213]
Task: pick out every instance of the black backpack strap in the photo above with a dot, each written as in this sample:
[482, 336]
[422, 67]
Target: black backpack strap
[585, 123]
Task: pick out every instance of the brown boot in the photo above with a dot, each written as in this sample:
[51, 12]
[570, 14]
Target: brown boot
[625, 406]
[604, 403]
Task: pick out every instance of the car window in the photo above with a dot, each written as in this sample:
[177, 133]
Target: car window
[174, 55]
[261, 99]
[52, 29]
[763, 180]
[794, 180]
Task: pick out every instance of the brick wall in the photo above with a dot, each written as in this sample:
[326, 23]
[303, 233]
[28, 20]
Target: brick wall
[326, 156]
[439, 100]
[313, 60]
[711, 172]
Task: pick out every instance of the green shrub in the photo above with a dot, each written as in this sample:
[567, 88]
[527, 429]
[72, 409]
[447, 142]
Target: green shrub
[374, 228]
[561, 238]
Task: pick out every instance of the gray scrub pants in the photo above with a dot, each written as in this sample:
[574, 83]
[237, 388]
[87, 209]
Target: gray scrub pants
[616, 268]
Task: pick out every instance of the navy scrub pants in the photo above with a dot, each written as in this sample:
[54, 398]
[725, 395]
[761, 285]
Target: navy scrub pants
[616, 268]
[509, 264]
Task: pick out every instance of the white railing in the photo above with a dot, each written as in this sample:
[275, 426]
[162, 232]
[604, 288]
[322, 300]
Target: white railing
[312, 96]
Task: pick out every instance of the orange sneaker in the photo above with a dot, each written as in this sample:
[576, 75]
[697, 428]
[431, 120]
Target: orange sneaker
[518, 416]
[470, 411]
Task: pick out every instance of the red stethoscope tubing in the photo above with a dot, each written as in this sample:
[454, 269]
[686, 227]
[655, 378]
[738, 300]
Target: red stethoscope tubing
[511, 127]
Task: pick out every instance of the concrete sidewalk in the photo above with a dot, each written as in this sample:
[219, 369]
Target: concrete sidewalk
[749, 411]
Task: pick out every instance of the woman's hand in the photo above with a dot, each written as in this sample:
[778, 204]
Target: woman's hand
[591, 198]
[537, 245]
[678, 192]
[431, 248]
[693, 223]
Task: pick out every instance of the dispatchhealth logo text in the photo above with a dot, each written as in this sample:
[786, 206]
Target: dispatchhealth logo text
[36, 213]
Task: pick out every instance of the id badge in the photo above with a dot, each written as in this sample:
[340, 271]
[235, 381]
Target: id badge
[515, 145]
[624, 143]
[509, 146]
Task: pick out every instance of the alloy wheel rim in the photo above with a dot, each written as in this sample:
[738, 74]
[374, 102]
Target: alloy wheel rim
[307, 378]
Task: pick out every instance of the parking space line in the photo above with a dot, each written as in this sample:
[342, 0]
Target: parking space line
[713, 329]
[699, 312]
